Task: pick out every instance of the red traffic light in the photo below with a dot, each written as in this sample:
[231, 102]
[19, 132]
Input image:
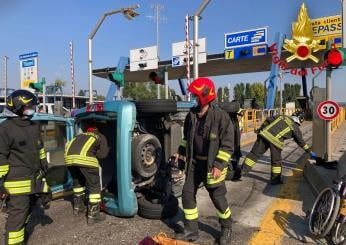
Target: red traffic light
[156, 78]
[334, 57]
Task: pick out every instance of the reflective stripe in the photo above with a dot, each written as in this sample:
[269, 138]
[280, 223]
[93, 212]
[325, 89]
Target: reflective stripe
[191, 214]
[4, 170]
[45, 186]
[87, 146]
[15, 237]
[27, 219]
[272, 139]
[273, 123]
[78, 190]
[94, 198]
[202, 158]
[289, 122]
[224, 215]
[249, 162]
[283, 132]
[42, 154]
[212, 181]
[18, 187]
[276, 170]
[223, 156]
[306, 147]
[183, 143]
[81, 160]
[68, 145]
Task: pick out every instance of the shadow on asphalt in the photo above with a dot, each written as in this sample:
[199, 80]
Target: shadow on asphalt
[287, 222]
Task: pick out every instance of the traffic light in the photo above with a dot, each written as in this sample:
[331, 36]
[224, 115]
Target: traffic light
[334, 57]
[117, 78]
[158, 77]
[38, 87]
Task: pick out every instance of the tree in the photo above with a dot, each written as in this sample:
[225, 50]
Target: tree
[81, 93]
[100, 98]
[59, 83]
[248, 91]
[226, 94]
[239, 92]
[258, 92]
[219, 94]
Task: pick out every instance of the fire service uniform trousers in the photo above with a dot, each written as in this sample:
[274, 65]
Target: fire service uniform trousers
[260, 147]
[197, 174]
[86, 178]
[19, 209]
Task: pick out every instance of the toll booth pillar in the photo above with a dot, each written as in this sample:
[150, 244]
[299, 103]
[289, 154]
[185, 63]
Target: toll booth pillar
[318, 136]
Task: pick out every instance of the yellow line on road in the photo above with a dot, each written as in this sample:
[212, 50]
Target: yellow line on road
[275, 222]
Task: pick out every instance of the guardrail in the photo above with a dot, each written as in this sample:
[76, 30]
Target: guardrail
[253, 119]
[336, 122]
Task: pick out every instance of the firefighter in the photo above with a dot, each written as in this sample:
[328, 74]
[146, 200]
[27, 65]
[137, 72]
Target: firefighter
[236, 118]
[22, 163]
[271, 135]
[206, 147]
[81, 157]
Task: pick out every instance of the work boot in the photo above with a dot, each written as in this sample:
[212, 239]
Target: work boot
[226, 235]
[79, 204]
[94, 214]
[190, 233]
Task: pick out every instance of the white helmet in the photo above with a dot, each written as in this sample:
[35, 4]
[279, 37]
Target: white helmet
[296, 119]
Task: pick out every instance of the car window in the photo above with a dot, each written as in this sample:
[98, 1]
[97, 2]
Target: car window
[54, 139]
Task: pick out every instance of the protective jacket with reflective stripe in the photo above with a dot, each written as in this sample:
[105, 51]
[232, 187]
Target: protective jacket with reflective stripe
[22, 156]
[278, 128]
[85, 149]
[218, 130]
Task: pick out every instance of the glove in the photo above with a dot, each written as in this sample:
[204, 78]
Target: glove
[313, 155]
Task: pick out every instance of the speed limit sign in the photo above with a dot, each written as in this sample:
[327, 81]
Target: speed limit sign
[328, 110]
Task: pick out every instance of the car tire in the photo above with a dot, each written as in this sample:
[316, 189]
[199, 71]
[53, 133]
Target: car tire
[156, 106]
[151, 208]
[146, 155]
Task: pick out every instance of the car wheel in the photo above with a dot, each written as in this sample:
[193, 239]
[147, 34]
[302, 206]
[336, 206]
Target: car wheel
[146, 155]
[156, 106]
[151, 207]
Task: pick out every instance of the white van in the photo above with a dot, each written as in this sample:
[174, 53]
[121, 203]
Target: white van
[50, 109]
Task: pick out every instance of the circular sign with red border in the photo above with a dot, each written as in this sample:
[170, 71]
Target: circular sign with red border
[328, 110]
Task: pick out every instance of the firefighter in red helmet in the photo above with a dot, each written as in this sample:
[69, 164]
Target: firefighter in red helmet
[206, 147]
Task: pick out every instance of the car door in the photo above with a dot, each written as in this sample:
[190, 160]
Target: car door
[56, 131]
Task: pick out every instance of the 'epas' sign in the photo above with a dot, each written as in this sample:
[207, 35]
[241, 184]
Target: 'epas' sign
[326, 26]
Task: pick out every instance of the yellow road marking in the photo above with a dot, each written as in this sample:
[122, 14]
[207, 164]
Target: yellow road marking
[275, 222]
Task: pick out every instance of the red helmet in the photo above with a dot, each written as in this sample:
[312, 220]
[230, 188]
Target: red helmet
[204, 88]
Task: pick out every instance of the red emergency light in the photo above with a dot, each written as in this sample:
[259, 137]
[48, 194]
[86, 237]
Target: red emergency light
[99, 106]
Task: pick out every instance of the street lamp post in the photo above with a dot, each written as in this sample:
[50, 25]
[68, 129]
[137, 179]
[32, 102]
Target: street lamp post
[196, 18]
[129, 13]
[5, 77]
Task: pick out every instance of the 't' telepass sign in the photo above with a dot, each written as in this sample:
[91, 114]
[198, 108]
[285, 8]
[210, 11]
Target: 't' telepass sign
[326, 26]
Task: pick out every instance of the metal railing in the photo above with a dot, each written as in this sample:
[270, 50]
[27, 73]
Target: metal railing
[253, 119]
[336, 122]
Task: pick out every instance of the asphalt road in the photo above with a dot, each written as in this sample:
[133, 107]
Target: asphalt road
[262, 214]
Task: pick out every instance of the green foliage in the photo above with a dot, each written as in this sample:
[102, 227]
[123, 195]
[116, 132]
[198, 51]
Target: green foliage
[59, 83]
[81, 93]
[239, 92]
[100, 98]
[145, 90]
[219, 94]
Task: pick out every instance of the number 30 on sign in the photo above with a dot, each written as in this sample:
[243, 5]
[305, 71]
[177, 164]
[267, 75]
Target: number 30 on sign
[328, 110]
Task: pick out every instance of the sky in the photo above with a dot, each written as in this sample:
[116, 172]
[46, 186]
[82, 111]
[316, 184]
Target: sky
[47, 27]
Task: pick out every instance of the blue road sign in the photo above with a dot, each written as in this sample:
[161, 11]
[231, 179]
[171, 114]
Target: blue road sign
[28, 56]
[246, 52]
[246, 38]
